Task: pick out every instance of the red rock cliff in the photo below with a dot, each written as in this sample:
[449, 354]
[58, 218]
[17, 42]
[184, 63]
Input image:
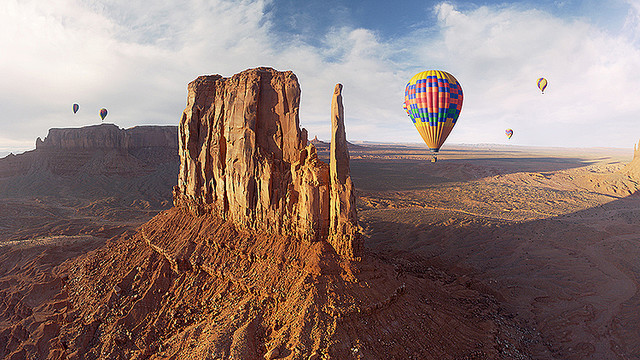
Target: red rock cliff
[244, 156]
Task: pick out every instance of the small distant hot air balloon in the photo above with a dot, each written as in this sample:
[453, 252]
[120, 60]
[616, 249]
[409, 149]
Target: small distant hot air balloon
[509, 133]
[103, 113]
[433, 100]
[75, 108]
[542, 84]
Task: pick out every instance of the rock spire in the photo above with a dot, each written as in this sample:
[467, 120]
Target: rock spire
[343, 234]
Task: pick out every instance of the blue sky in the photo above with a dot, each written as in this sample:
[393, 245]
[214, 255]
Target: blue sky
[136, 60]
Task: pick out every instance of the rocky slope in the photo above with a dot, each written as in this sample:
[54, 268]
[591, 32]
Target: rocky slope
[259, 258]
[187, 287]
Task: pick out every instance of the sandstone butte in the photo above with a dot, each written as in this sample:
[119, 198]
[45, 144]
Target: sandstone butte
[258, 259]
[244, 157]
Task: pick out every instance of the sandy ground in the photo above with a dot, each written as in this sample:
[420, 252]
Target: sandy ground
[31, 218]
[195, 287]
[550, 234]
[553, 234]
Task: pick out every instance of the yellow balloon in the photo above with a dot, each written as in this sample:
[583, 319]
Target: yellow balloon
[542, 84]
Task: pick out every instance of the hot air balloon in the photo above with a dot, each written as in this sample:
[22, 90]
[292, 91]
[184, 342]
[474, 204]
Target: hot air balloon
[509, 133]
[433, 100]
[542, 84]
[75, 108]
[103, 113]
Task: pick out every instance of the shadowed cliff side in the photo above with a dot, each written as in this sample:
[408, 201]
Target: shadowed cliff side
[109, 136]
[244, 157]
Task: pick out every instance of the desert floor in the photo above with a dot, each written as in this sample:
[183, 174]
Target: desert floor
[553, 234]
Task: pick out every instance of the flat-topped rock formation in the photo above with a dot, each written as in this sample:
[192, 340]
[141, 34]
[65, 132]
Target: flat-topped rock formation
[96, 162]
[244, 156]
[98, 149]
[109, 136]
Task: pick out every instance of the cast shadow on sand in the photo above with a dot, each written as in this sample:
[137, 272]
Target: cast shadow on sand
[386, 174]
[572, 277]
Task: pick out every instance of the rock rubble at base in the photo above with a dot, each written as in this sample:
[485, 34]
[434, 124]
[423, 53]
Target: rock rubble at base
[244, 157]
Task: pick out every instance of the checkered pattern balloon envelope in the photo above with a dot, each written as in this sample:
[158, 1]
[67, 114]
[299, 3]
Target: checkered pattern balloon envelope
[433, 100]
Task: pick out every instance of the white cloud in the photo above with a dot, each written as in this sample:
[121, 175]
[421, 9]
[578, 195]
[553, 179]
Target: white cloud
[498, 53]
[137, 60]
[632, 22]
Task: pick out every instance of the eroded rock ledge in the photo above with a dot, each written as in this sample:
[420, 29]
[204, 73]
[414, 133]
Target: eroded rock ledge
[244, 157]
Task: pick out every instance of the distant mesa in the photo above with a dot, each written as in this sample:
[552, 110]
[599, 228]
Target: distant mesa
[244, 156]
[110, 136]
[323, 146]
[319, 144]
[96, 161]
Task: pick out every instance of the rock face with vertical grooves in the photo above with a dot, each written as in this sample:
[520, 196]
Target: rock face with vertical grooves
[244, 157]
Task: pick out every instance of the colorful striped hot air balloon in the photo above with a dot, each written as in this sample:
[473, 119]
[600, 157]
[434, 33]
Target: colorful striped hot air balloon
[75, 108]
[542, 84]
[509, 133]
[433, 100]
